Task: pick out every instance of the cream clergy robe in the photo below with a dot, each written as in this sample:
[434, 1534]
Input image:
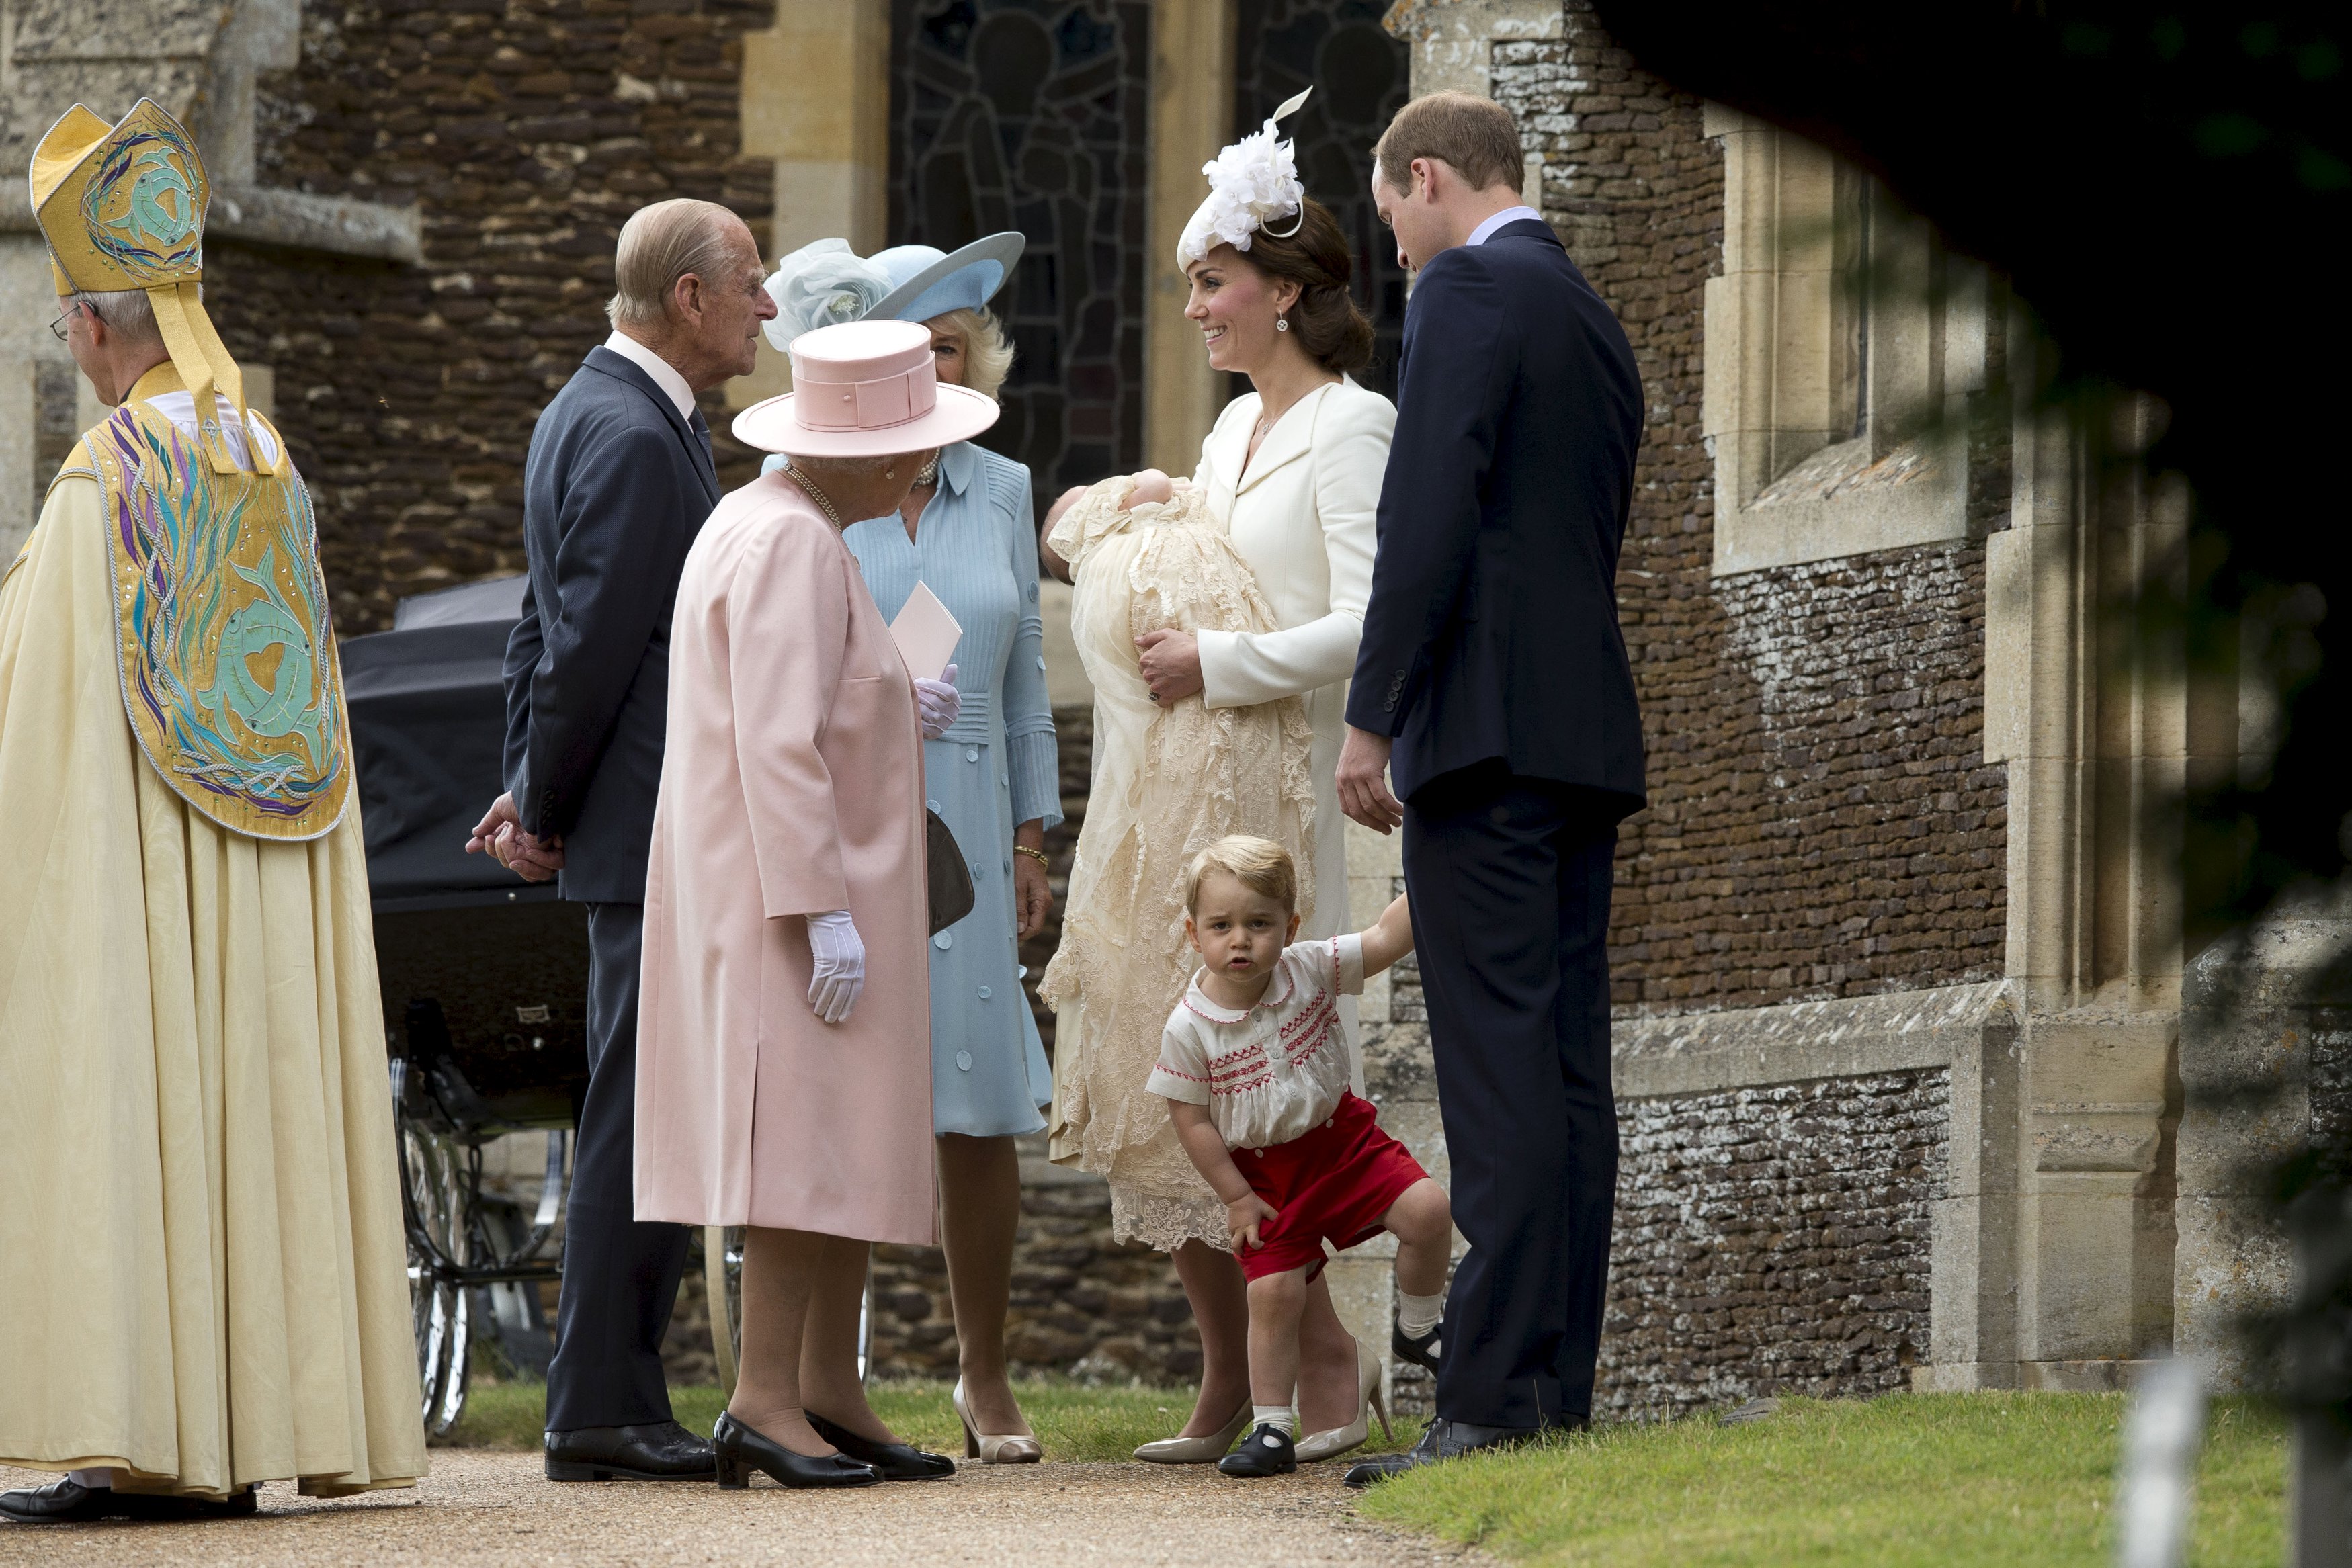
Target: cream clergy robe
[202, 1272]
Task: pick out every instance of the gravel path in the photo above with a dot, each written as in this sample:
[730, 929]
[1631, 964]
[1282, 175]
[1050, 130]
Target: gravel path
[482, 1507]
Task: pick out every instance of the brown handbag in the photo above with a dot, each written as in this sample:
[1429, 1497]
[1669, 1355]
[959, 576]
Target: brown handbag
[949, 879]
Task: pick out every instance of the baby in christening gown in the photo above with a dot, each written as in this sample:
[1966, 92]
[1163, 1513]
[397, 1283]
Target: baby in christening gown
[1145, 556]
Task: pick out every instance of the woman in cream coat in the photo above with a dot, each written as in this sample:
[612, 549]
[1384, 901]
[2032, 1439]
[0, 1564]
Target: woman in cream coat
[1293, 471]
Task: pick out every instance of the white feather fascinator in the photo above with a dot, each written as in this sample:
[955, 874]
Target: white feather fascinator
[1252, 183]
[823, 284]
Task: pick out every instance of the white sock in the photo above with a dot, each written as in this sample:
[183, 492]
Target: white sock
[1416, 1315]
[1276, 1416]
[98, 1479]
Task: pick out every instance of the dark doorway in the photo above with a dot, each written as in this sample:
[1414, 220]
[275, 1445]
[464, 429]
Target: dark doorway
[1360, 79]
[1036, 115]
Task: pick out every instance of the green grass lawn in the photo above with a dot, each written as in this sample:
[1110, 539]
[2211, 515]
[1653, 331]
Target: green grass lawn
[1072, 1420]
[2018, 1480]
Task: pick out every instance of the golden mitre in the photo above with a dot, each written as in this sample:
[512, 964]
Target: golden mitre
[123, 206]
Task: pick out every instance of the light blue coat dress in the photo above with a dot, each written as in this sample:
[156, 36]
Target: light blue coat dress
[976, 545]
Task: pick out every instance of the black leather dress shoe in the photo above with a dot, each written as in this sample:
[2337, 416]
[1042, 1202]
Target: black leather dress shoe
[741, 1449]
[67, 1501]
[652, 1451]
[1426, 1352]
[893, 1461]
[1442, 1440]
[1267, 1451]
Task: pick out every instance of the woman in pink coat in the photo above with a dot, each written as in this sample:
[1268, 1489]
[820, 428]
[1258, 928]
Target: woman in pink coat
[783, 1064]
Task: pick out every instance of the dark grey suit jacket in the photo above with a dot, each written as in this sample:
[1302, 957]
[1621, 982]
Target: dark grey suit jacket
[615, 487]
[1492, 633]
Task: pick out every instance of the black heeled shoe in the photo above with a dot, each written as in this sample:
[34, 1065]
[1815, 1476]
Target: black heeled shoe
[740, 1450]
[895, 1461]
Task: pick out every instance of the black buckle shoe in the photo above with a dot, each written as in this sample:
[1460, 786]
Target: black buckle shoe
[1267, 1451]
[1444, 1440]
[895, 1461]
[741, 1449]
[652, 1451]
[1426, 1352]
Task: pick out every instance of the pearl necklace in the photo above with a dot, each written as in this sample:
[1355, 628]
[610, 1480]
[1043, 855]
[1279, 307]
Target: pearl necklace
[808, 485]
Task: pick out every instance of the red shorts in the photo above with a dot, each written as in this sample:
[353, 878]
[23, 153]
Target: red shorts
[1335, 1182]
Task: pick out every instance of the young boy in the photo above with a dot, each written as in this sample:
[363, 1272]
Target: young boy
[1253, 1064]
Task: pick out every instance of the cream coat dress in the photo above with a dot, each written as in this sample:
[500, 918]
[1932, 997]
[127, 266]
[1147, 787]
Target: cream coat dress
[791, 785]
[1303, 515]
[203, 1269]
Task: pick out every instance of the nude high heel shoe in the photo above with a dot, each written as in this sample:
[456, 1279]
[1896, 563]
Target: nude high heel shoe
[1205, 1450]
[1369, 1402]
[1016, 1450]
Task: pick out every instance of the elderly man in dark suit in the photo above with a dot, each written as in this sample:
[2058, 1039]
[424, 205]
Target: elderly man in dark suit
[1492, 685]
[617, 483]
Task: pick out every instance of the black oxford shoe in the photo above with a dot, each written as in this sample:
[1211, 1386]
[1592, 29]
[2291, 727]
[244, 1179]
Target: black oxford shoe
[1442, 1440]
[654, 1451]
[67, 1501]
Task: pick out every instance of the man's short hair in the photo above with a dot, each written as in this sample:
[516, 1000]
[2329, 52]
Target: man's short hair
[128, 313]
[1475, 136]
[661, 244]
[1261, 865]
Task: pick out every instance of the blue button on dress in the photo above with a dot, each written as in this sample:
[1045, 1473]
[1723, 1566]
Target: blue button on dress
[976, 545]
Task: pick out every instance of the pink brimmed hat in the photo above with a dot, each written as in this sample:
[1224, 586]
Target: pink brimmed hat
[864, 389]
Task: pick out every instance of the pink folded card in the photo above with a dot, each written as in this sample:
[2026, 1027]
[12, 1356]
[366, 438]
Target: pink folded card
[926, 634]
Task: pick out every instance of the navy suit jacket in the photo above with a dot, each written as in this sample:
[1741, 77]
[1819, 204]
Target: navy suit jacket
[615, 487]
[1492, 631]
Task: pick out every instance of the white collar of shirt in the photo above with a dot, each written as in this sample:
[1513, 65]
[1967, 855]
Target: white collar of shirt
[664, 373]
[180, 408]
[1485, 231]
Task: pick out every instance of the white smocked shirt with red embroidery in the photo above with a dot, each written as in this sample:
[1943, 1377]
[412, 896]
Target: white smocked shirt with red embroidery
[1270, 1072]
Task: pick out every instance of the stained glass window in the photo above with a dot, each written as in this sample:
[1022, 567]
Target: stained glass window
[1360, 76]
[1036, 115]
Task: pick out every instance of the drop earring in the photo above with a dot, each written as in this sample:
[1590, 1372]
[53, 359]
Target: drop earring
[890, 471]
[1282, 323]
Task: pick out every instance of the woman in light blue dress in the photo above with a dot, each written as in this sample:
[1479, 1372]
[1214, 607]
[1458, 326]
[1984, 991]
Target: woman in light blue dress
[969, 533]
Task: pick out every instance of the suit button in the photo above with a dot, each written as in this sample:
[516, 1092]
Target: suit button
[942, 942]
[963, 1060]
[984, 993]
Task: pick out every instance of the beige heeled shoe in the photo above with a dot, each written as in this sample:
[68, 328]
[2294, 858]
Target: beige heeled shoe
[1205, 1450]
[1016, 1450]
[1368, 1402]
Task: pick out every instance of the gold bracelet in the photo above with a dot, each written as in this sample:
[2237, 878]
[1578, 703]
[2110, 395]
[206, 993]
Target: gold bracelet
[1037, 855]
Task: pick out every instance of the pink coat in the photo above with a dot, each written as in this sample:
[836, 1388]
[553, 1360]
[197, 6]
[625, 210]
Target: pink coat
[791, 784]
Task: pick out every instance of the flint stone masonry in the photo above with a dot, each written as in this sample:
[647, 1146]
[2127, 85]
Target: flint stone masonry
[1772, 1240]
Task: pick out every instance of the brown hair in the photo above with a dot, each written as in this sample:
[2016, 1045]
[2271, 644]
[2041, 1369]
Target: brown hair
[1261, 865]
[1477, 136]
[1324, 320]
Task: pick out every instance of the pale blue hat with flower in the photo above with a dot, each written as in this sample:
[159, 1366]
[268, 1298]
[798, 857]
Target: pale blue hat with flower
[826, 283]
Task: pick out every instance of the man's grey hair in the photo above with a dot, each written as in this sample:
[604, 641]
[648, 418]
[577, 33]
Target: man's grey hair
[127, 312]
[662, 244]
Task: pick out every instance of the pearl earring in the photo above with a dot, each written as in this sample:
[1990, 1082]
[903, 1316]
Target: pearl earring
[890, 471]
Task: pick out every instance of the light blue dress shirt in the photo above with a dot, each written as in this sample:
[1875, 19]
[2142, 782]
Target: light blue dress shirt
[975, 546]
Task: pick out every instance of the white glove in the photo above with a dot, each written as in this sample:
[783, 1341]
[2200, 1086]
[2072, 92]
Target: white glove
[840, 958]
[940, 703]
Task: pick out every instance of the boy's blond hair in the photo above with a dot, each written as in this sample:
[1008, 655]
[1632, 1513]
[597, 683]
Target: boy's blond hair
[1261, 865]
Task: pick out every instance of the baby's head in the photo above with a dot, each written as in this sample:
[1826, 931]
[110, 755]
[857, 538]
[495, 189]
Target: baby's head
[1241, 903]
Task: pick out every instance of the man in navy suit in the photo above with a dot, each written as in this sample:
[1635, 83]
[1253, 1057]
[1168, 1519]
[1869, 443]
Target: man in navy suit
[617, 483]
[1492, 687]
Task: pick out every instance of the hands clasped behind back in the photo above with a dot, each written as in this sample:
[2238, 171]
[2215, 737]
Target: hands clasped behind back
[840, 966]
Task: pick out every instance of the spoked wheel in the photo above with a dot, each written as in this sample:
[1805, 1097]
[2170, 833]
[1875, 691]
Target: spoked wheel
[437, 1196]
[724, 1280]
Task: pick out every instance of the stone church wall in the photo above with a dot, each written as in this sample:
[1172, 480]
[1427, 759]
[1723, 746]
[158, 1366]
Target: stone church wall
[525, 136]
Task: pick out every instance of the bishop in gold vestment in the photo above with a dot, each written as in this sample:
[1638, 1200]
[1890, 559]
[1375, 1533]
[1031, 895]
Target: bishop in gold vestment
[202, 1265]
